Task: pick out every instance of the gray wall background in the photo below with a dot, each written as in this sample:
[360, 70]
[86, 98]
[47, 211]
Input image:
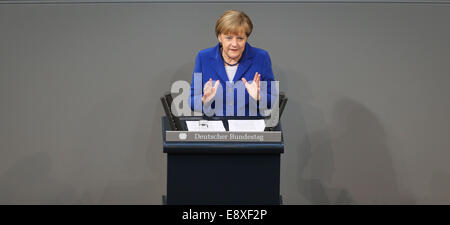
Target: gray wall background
[367, 120]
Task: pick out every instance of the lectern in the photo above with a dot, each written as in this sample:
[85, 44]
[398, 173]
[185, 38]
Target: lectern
[222, 168]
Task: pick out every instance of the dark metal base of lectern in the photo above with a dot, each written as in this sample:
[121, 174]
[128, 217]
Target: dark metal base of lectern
[223, 179]
[164, 200]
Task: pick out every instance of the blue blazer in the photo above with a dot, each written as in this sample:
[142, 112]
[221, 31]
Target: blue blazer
[209, 64]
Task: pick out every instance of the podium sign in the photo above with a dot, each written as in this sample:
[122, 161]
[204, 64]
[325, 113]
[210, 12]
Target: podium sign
[227, 136]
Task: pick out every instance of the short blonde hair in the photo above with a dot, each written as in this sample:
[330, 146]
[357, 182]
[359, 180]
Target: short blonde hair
[233, 21]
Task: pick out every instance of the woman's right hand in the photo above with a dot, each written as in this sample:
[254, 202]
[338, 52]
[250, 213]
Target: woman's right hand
[209, 91]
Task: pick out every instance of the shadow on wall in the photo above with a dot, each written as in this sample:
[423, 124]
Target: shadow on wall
[316, 165]
[184, 72]
[440, 186]
[156, 159]
[315, 160]
[28, 181]
[362, 158]
[147, 138]
[342, 161]
[354, 165]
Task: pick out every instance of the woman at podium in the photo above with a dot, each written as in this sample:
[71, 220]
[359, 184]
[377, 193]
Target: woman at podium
[232, 78]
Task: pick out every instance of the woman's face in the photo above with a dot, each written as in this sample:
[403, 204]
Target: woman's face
[233, 44]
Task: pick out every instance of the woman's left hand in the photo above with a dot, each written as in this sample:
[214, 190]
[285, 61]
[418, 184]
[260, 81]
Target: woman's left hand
[253, 86]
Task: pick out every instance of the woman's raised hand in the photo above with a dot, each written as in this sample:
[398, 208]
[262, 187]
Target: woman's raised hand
[253, 86]
[209, 91]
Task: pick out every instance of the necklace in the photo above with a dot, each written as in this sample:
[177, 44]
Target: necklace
[221, 50]
[230, 64]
